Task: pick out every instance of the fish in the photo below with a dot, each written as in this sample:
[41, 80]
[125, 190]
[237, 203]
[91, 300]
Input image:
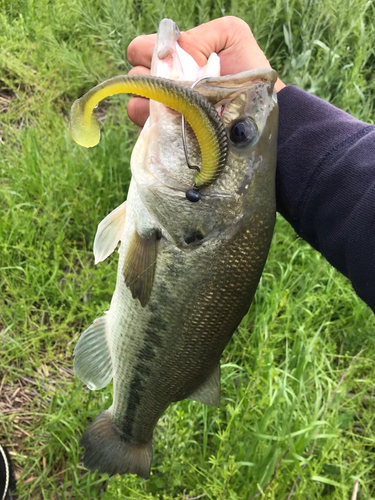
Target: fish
[193, 245]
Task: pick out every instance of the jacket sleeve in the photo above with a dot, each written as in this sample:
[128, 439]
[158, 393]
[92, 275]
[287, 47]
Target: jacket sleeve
[325, 184]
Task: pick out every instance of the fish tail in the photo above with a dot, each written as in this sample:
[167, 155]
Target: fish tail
[107, 450]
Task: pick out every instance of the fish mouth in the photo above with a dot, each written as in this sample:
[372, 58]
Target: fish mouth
[175, 178]
[150, 164]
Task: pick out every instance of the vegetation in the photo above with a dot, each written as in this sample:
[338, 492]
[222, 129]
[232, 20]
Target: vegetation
[298, 404]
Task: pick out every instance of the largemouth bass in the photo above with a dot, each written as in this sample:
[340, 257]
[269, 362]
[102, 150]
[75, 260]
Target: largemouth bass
[192, 251]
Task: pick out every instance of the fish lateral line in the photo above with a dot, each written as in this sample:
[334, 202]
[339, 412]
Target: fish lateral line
[196, 109]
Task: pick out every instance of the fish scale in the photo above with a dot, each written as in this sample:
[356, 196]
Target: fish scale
[187, 272]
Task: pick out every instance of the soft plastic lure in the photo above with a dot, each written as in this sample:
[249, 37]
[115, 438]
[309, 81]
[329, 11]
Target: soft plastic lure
[198, 112]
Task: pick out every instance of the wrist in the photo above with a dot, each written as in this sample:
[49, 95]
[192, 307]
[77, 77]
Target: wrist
[279, 85]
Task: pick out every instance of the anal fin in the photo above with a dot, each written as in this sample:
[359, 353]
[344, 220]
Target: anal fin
[109, 232]
[139, 265]
[92, 357]
[208, 393]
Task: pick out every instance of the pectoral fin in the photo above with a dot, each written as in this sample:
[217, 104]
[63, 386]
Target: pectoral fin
[92, 357]
[139, 265]
[209, 392]
[109, 233]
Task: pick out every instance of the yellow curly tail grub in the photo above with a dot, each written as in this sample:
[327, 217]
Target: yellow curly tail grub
[198, 112]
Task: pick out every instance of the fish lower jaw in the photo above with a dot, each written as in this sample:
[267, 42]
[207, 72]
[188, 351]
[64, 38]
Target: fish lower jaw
[165, 185]
[149, 173]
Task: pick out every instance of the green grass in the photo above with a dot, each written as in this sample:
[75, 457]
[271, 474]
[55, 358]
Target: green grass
[298, 399]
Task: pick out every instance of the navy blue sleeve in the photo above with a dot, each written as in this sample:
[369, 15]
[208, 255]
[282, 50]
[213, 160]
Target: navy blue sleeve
[325, 184]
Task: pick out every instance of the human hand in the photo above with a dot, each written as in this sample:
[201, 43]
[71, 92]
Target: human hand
[230, 37]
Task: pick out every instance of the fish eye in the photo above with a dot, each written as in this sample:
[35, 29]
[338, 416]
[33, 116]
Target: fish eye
[243, 132]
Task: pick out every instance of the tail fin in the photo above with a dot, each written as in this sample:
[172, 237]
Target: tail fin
[108, 451]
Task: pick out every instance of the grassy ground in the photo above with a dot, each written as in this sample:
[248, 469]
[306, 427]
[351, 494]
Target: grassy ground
[298, 405]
